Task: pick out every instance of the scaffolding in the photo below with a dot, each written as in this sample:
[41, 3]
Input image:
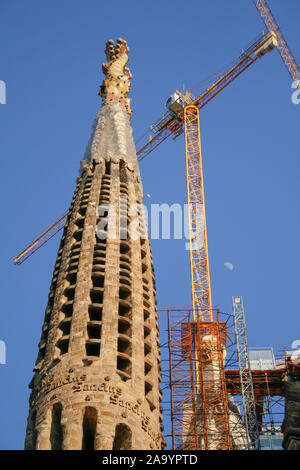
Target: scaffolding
[210, 343]
[212, 409]
[268, 388]
[182, 381]
[199, 404]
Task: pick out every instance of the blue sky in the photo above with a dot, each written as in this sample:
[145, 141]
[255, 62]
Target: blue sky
[51, 55]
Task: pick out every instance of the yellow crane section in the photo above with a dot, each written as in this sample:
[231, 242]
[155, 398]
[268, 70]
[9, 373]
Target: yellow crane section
[282, 46]
[172, 123]
[41, 240]
[200, 278]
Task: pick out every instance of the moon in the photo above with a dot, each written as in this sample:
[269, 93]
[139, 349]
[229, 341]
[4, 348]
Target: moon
[229, 266]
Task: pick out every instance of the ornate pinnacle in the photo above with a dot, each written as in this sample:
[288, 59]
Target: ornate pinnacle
[116, 85]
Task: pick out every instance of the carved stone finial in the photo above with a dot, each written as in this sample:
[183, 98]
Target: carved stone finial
[116, 85]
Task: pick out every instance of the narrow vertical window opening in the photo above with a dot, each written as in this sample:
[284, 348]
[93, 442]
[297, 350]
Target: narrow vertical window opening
[123, 437]
[56, 434]
[89, 426]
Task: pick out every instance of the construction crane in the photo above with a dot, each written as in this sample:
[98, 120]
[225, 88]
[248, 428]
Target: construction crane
[183, 114]
[172, 123]
[213, 397]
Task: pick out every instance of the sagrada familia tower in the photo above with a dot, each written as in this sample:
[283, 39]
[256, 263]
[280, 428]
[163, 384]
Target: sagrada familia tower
[97, 375]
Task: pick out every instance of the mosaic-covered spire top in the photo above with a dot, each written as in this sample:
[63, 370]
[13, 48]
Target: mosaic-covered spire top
[115, 87]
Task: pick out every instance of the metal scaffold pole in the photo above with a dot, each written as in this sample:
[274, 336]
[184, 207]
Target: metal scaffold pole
[247, 391]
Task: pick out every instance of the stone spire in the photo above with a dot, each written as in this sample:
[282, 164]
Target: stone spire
[97, 374]
[112, 133]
